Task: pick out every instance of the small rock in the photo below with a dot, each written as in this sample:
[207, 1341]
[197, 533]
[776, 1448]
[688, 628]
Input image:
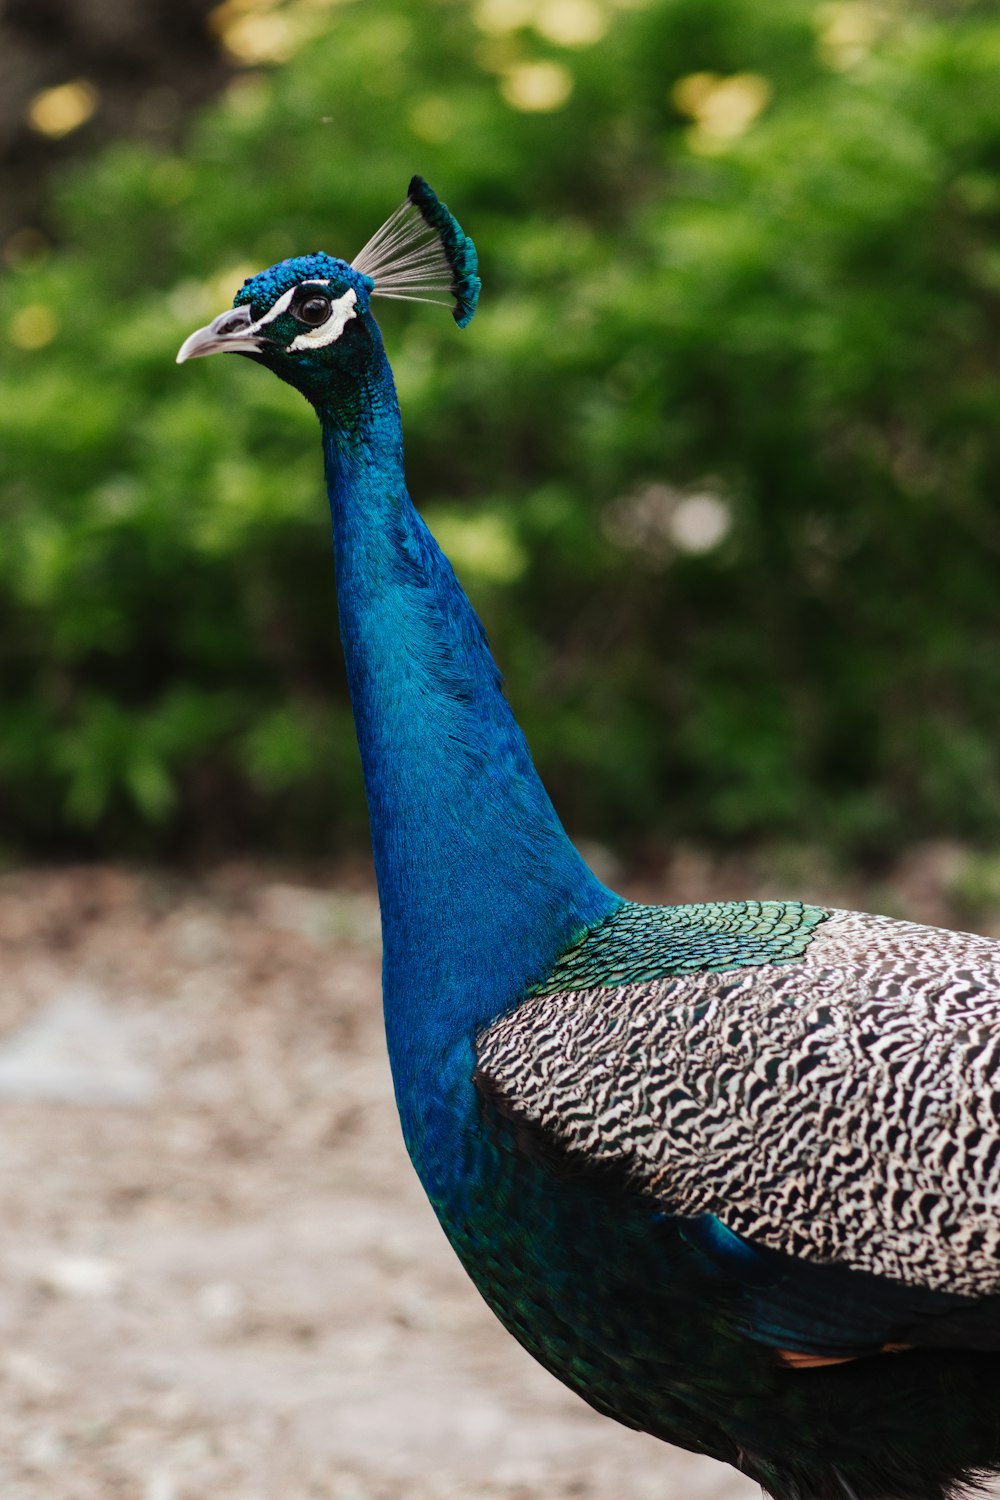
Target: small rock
[162, 1485]
[42, 1449]
[221, 1301]
[82, 1276]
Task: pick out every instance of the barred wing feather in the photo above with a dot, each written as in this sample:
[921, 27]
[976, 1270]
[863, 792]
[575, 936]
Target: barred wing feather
[841, 1107]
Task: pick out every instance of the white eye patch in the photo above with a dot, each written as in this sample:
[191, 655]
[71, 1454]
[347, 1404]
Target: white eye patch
[341, 312]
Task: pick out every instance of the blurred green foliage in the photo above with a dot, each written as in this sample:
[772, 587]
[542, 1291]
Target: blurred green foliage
[718, 459]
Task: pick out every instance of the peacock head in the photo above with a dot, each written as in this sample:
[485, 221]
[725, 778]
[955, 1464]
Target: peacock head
[308, 319]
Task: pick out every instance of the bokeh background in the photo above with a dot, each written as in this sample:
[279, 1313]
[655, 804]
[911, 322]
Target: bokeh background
[718, 461]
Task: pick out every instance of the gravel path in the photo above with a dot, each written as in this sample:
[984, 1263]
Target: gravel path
[221, 1281]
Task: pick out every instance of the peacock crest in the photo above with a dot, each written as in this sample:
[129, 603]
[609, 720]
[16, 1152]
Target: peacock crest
[422, 252]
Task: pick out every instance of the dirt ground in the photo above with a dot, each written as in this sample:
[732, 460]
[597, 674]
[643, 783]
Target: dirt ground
[220, 1278]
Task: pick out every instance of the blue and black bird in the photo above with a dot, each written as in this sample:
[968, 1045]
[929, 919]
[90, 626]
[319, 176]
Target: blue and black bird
[730, 1171]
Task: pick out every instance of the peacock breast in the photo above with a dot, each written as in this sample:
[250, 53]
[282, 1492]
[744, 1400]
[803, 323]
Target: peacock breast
[594, 1284]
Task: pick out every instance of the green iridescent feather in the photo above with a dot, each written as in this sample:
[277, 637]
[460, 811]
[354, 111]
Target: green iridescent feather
[638, 943]
[458, 247]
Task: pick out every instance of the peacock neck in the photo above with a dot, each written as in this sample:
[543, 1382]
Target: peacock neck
[479, 886]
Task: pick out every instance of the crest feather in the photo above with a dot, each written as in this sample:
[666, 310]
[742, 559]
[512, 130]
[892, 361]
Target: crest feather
[421, 254]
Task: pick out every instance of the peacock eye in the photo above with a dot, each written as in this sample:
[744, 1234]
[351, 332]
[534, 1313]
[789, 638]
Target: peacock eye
[313, 310]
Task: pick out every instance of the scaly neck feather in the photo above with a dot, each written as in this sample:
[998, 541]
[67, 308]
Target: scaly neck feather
[479, 886]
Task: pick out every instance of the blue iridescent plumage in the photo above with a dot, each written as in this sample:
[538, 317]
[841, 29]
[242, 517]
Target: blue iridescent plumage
[731, 1171]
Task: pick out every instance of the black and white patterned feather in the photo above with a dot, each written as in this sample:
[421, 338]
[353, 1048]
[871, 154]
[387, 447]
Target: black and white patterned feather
[842, 1107]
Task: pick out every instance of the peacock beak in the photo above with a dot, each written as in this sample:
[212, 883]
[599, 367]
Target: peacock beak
[232, 332]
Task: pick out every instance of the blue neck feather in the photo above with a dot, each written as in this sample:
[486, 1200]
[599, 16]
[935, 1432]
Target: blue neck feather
[480, 888]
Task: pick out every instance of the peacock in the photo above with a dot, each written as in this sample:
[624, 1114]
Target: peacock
[730, 1171]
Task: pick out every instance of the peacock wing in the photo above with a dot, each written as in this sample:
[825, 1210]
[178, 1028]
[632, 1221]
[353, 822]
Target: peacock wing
[814, 1094]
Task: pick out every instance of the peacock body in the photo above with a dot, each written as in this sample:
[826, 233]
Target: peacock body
[730, 1171]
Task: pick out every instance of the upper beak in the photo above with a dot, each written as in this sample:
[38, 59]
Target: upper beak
[230, 332]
